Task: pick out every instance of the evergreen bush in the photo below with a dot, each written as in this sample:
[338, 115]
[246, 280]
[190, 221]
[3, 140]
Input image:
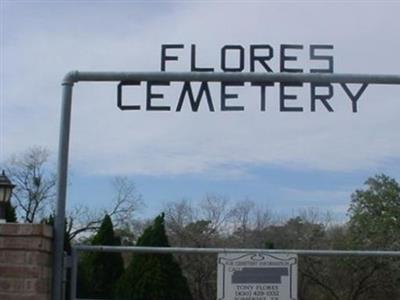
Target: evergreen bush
[153, 276]
[99, 271]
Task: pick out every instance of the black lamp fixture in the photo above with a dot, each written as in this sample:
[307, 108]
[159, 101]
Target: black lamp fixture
[6, 188]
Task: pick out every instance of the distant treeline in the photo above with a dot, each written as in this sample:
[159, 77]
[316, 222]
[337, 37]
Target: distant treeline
[373, 224]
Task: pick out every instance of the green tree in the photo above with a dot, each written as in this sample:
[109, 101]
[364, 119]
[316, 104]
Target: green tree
[375, 214]
[67, 239]
[153, 276]
[99, 271]
[375, 225]
[11, 216]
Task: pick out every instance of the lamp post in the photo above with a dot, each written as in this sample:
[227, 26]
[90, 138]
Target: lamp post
[6, 188]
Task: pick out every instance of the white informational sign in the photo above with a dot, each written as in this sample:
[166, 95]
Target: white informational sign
[258, 276]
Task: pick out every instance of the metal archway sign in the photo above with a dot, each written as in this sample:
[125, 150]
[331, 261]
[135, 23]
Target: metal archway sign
[224, 77]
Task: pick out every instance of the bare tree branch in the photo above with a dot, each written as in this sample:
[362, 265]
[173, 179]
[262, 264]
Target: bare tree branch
[34, 182]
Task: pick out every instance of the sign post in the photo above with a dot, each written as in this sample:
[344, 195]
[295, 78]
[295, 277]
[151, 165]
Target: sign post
[257, 276]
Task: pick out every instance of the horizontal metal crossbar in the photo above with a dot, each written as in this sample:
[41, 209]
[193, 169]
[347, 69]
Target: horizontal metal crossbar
[234, 250]
[76, 76]
[185, 250]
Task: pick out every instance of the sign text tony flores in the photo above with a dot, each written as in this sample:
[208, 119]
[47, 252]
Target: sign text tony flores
[237, 58]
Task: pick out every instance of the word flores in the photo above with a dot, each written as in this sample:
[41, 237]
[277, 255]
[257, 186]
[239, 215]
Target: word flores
[235, 58]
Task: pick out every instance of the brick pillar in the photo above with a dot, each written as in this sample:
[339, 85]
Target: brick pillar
[25, 261]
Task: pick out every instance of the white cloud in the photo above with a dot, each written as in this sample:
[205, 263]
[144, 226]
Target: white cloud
[106, 140]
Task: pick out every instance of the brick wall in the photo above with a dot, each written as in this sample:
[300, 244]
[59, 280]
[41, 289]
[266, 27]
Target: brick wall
[25, 261]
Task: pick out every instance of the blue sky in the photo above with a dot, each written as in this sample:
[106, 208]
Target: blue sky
[283, 160]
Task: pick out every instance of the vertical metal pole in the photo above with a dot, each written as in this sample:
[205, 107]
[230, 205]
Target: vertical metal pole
[62, 170]
[74, 272]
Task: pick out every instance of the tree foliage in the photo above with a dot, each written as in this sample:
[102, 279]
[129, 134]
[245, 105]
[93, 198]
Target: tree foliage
[99, 271]
[152, 276]
[67, 239]
[373, 223]
[375, 214]
[11, 216]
